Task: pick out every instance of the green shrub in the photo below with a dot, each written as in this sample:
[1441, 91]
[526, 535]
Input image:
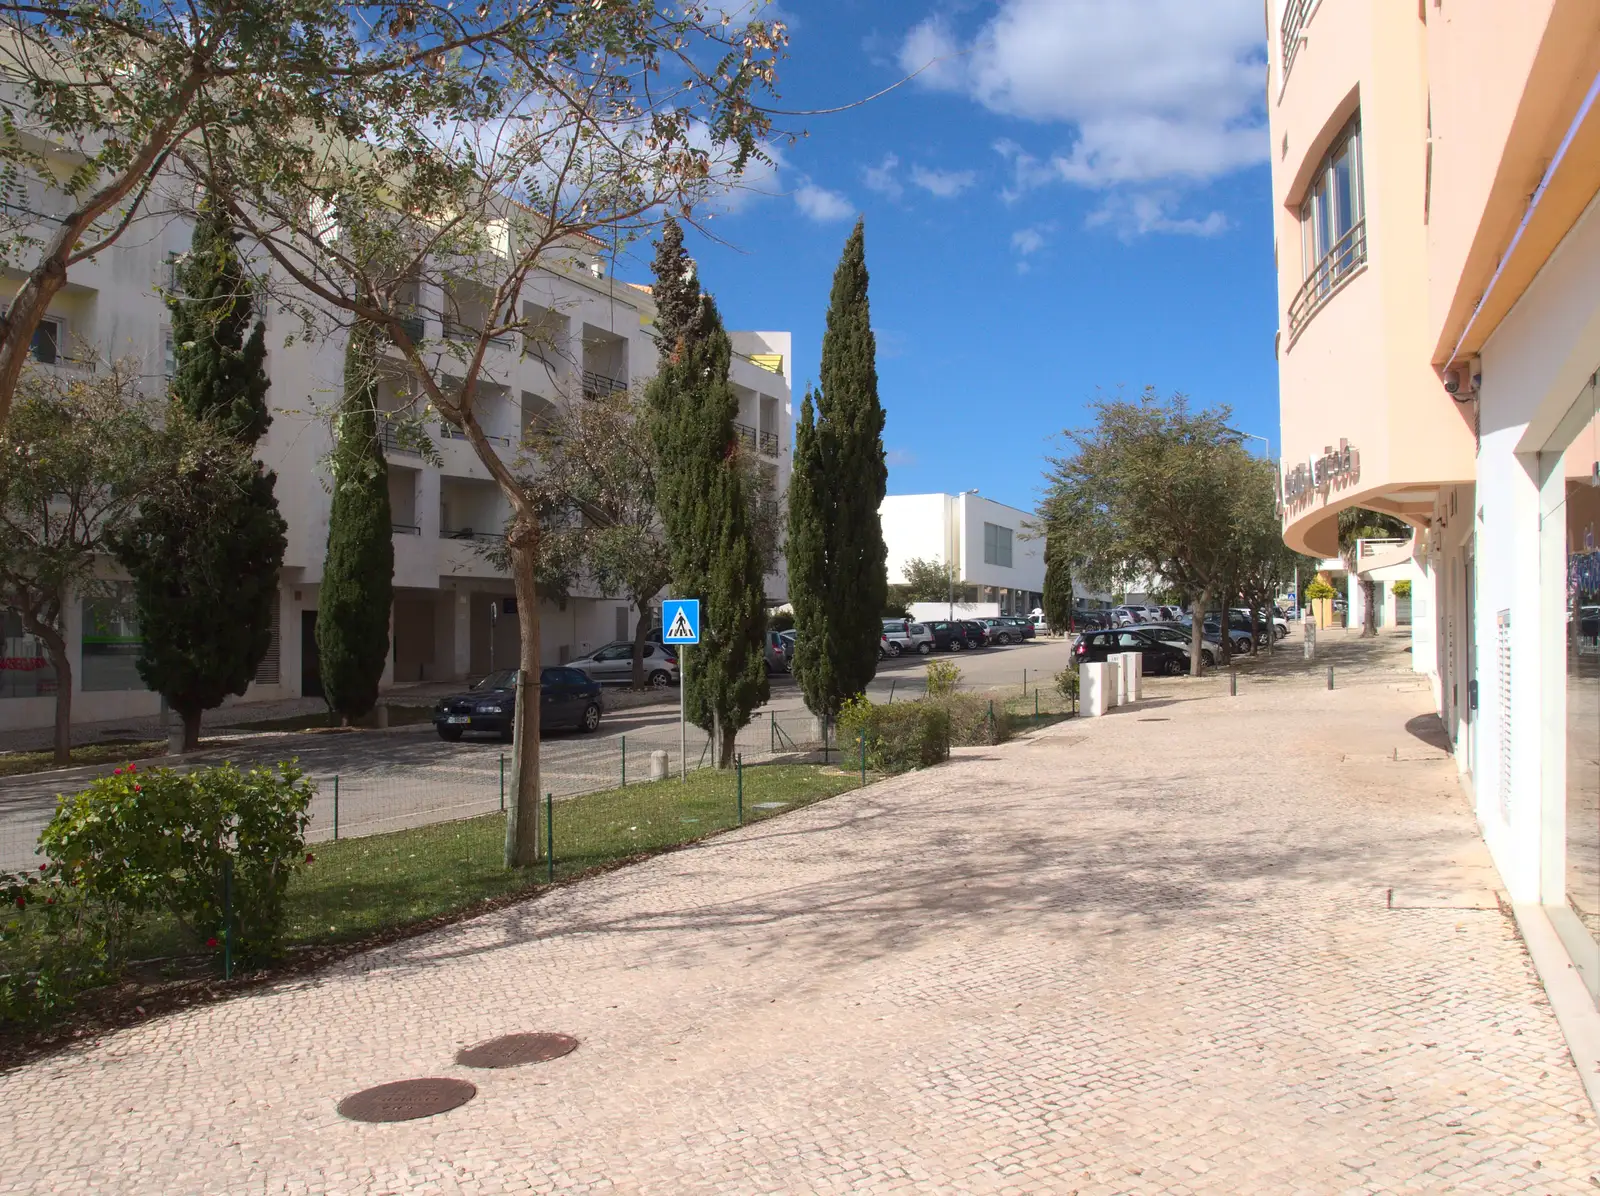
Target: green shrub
[943, 677]
[1402, 588]
[975, 721]
[1320, 589]
[1067, 683]
[900, 736]
[137, 842]
[54, 943]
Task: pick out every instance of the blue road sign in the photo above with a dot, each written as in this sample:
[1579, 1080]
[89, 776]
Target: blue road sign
[681, 619]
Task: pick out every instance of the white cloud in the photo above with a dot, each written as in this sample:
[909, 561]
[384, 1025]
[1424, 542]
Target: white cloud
[820, 204]
[881, 178]
[1157, 90]
[899, 458]
[943, 183]
[1030, 240]
[1132, 216]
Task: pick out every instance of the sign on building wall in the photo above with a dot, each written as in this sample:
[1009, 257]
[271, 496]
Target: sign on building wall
[1336, 469]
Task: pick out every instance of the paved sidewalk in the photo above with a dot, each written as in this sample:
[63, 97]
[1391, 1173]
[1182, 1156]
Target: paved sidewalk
[1148, 953]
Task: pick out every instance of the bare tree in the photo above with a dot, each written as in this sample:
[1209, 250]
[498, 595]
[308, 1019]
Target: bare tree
[581, 134]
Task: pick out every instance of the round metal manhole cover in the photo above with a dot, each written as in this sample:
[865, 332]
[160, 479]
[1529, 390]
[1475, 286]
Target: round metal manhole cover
[406, 1100]
[513, 1050]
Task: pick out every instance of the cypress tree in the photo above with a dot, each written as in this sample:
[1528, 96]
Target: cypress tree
[706, 514]
[357, 590]
[206, 584]
[1058, 600]
[838, 578]
[676, 290]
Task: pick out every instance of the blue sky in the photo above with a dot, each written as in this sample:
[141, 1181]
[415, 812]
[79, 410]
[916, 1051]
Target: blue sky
[1075, 197]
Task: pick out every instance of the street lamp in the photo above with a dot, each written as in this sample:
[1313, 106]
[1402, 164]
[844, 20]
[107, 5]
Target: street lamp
[949, 561]
[1251, 436]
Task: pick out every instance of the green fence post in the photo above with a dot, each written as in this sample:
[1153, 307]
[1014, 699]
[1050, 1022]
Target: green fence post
[502, 782]
[1330, 676]
[738, 772]
[624, 761]
[1024, 682]
[335, 807]
[863, 738]
[1036, 705]
[227, 917]
[893, 681]
[772, 732]
[550, 837]
[826, 727]
[991, 720]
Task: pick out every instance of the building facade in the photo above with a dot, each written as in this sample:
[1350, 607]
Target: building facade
[450, 618]
[1435, 168]
[982, 542]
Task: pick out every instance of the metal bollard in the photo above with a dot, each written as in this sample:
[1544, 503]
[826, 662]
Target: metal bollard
[335, 807]
[550, 837]
[1024, 682]
[738, 772]
[1330, 676]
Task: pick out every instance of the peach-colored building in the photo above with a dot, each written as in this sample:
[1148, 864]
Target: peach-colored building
[1435, 165]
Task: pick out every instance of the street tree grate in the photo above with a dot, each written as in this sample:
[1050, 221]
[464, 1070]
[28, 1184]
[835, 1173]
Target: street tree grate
[513, 1050]
[407, 1100]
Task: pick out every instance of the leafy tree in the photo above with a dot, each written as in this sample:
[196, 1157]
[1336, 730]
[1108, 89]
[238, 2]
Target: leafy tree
[838, 579]
[1058, 597]
[104, 99]
[585, 127]
[80, 454]
[933, 581]
[597, 476]
[205, 569]
[1357, 524]
[1266, 564]
[1149, 491]
[706, 514]
[357, 593]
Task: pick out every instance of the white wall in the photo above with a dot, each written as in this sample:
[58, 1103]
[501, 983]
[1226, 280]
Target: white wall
[1027, 556]
[914, 527]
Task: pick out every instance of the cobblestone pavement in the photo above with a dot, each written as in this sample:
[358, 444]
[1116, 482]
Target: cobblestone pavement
[1148, 953]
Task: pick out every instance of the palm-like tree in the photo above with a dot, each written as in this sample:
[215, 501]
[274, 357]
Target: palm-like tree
[1357, 524]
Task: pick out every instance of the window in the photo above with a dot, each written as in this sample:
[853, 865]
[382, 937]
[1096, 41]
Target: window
[25, 669]
[111, 640]
[46, 347]
[1333, 237]
[997, 545]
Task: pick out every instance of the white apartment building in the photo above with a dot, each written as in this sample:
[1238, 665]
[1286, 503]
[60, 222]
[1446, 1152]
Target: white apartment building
[595, 338]
[989, 544]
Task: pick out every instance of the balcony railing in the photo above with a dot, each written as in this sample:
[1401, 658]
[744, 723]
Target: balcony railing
[389, 436]
[464, 332]
[769, 443]
[1366, 548]
[450, 433]
[746, 435]
[466, 533]
[405, 529]
[1295, 15]
[415, 327]
[1337, 267]
[598, 386]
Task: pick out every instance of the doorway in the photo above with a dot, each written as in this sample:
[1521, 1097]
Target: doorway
[310, 671]
[1469, 581]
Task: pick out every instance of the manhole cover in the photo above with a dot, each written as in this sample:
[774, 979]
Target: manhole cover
[405, 1100]
[513, 1050]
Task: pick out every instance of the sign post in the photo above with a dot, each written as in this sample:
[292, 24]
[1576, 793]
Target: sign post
[680, 623]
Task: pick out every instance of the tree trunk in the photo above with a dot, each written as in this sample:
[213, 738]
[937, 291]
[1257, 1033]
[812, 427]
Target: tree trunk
[1369, 600]
[56, 644]
[1197, 634]
[522, 815]
[640, 630]
[1255, 626]
[1225, 628]
[191, 729]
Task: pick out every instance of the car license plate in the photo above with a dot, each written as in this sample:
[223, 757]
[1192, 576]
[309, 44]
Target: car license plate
[458, 718]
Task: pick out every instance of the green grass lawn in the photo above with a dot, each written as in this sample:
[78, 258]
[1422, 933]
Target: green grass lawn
[358, 886]
[114, 751]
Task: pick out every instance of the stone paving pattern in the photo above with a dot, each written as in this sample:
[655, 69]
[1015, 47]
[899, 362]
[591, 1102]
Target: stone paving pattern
[1146, 953]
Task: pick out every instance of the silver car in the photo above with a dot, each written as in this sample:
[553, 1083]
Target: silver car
[613, 665]
[902, 636]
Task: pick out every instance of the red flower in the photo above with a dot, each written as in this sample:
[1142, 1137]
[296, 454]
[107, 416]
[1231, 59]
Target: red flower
[49, 900]
[116, 772]
[309, 857]
[22, 902]
[42, 867]
[211, 942]
[132, 768]
[138, 788]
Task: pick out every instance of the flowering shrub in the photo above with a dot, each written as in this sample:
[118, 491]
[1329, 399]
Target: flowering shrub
[161, 840]
[53, 944]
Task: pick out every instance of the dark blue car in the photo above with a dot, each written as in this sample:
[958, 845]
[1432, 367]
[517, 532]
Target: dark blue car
[567, 698]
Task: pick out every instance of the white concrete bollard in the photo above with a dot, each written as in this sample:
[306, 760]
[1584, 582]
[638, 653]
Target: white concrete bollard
[658, 766]
[1133, 675]
[1113, 682]
[1094, 689]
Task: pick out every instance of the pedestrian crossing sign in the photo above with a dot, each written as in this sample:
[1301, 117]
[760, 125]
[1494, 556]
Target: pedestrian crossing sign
[681, 618]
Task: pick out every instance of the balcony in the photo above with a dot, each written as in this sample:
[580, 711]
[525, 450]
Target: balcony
[746, 435]
[1337, 267]
[415, 327]
[463, 332]
[393, 441]
[466, 533]
[405, 529]
[599, 386]
[1292, 29]
[446, 432]
[769, 443]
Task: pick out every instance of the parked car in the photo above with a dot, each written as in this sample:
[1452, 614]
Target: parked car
[567, 698]
[613, 664]
[1001, 631]
[1238, 636]
[776, 650]
[1177, 633]
[1022, 625]
[911, 637]
[1159, 656]
[1041, 625]
[977, 633]
[951, 636]
[1171, 614]
[1279, 625]
[1127, 616]
[1093, 620]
